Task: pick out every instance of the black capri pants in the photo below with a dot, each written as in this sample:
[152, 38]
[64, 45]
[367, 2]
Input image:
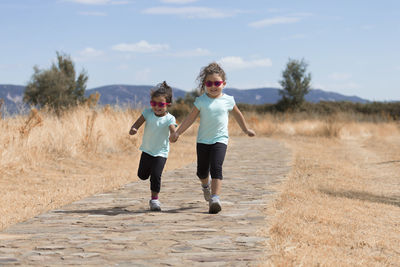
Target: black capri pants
[210, 159]
[152, 167]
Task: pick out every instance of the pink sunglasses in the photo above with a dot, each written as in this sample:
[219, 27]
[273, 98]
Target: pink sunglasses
[216, 83]
[159, 104]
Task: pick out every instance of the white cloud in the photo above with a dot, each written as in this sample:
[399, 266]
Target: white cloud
[340, 76]
[274, 21]
[198, 52]
[99, 2]
[140, 47]
[90, 13]
[190, 12]
[88, 54]
[233, 63]
[178, 1]
[91, 52]
[293, 18]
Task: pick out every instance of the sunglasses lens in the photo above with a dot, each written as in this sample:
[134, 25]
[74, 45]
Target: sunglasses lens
[216, 83]
[152, 103]
[161, 104]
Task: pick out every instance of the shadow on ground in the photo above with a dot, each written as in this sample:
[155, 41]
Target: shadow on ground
[119, 210]
[364, 196]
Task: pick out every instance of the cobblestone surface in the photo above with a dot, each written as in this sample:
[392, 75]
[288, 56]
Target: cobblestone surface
[117, 229]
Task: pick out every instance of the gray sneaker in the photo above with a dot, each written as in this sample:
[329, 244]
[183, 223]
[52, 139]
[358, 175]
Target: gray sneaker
[215, 205]
[206, 193]
[155, 205]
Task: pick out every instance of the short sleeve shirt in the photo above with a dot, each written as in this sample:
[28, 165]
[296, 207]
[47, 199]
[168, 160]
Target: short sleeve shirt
[155, 140]
[214, 117]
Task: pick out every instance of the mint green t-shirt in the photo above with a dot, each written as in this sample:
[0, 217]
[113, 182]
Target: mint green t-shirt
[155, 140]
[214, 116]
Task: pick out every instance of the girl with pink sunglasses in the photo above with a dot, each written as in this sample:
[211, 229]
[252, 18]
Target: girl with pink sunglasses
[213, 106]
[155, 144]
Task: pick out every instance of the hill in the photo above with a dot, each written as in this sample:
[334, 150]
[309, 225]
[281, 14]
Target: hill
[127, 95]
[138, 95]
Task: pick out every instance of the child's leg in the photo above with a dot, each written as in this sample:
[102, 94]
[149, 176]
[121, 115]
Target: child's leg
[144, 169]
[203, 163]
[203, 169]
[217, 157]
[157, 168]
[216, 185]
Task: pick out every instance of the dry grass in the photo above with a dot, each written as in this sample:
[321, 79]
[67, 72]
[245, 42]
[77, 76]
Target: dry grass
[341, 203]
[48, 161]
[338, 207]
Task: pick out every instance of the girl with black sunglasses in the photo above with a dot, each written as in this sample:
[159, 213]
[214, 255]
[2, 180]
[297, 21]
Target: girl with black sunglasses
[213, 106]
[155, 144]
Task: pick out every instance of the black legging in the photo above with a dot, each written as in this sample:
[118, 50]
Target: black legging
[210, 159]
[153, 167]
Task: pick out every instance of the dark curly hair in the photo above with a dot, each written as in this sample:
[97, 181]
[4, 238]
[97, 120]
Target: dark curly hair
[162, 89]
[212, 68]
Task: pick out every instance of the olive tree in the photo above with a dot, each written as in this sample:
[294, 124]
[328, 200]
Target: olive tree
[295, 84]
[57, 87]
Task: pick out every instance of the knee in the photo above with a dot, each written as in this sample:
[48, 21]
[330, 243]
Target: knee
[142, 176]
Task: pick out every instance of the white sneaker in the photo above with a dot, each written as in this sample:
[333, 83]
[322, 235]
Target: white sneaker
[207, 192]
[215, 205]
[155, 205]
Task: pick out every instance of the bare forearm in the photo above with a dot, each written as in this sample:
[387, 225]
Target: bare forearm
[242, 122]
[188, 121]
[184, 125]
[137, 125]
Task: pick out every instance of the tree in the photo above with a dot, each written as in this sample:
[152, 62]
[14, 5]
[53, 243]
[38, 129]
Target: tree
[56, 87]
[295, 84]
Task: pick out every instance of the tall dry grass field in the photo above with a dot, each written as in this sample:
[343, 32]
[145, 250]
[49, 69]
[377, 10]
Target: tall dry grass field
[340, 205]
[47, 161]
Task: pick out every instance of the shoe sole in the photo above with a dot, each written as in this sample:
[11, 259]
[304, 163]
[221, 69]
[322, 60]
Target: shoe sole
[214, 208]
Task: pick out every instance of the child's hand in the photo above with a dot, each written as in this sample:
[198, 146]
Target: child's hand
[250, 132]
[173, 137]
[133, 131]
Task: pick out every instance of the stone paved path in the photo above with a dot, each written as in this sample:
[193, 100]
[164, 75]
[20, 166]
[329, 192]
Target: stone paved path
[116, 228]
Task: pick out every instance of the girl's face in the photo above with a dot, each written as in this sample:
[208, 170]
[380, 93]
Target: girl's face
[214, 85]
[159, 105]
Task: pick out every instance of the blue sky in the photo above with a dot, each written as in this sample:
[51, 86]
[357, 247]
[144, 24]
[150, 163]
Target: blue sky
[352, 47]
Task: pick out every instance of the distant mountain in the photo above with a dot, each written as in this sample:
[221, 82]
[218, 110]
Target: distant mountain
[317, 95]
[138, 95]
[13, 98]
[127, 95]
[133, 95]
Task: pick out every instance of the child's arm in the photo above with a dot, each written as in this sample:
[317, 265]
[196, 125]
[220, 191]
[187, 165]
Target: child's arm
[137, 125]
[172, 129]
[241, 121]
[187, 122]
